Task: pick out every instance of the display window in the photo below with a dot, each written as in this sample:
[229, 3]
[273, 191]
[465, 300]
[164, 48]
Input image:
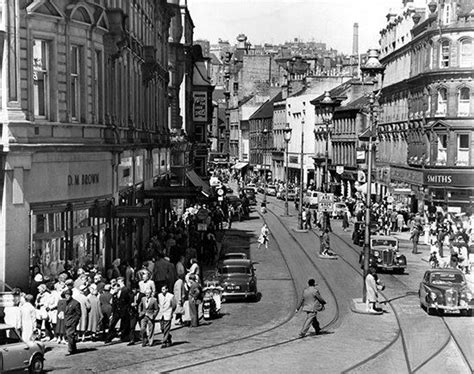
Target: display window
[51, 249]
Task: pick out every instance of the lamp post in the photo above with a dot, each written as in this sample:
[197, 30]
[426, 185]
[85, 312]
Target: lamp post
[287, 136]
[300, 212]
[264, 164]
[327, 105]
[372, 68]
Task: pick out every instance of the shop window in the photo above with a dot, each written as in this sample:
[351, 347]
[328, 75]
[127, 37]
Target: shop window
[462, 157]
[465, 54]
[75, 83]
[442, 102]
[40, 79]
[464, 101]
[442, 148]
[444, 55]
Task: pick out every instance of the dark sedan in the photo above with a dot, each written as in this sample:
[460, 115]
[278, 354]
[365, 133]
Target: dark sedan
[237, 278]
[445, 290]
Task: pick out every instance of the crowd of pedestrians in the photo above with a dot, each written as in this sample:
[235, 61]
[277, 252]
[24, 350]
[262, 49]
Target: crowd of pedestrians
[96, 304]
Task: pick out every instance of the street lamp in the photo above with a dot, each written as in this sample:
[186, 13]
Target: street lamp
[264, 162]
[300, 212]
[372, 68]
[287, 136]
[327, 105]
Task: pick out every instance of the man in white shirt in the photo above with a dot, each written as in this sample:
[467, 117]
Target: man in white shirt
[167, 305]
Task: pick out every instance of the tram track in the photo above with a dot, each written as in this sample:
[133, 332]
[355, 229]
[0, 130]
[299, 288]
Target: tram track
[255, 335]
[400, 334]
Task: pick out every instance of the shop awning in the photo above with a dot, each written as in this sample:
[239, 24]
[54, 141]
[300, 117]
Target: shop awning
[240, 165]
[363, 188]
[197, 181]
[171, 192]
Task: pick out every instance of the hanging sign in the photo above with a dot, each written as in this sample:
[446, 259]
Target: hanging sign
[339, 169]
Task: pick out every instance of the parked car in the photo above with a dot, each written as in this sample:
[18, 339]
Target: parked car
[339, 209]
[232, 256]
[384, 254]
[252, 185]
[250, 193]
[310, 199]
[261, 188]
[445, 290]
[16, 355]
[237, 278]
[271, 190]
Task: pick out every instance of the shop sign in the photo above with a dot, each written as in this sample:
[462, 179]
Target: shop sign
[339, 169]
[407, 175]
[293, 159]
[449, 178]
[200, 106]
[82, 179]
[325, 202]
[360, 176]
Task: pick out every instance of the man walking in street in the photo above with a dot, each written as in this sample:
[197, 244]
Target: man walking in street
[147, 311]
[312, 303]
[167, 305]
[120, 311]
[72, 316]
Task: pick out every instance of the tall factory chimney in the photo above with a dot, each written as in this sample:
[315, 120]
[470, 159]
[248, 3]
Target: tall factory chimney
[355, 40]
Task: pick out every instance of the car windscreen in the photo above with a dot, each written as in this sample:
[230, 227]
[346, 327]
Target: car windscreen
[9, 336]
[384, 243]
[235, 270]
[446, 278]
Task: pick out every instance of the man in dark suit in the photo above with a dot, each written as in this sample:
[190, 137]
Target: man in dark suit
[147, 311]
[120, 311]
[72, 316]
[312, 303]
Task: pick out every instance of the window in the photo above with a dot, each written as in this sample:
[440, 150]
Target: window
[442, 101]
[75, 83]
[40, 79]
[442, 145]
[464, 101]
[465, 54]
[447, 14]
[462, 157]
[445, 50]
[98, 87]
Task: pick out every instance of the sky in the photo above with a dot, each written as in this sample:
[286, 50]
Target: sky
[277, 21]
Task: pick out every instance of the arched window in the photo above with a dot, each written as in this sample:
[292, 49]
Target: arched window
[464, 98]
[465, 53]
[442, 102]
[444, 54]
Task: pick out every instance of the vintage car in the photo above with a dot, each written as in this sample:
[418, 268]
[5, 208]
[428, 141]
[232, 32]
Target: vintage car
[16, 355]
[250, 193]
[237, 278]
[271, 190]
[339, 209]
[445, 290]
[232, 256]
[384, 254]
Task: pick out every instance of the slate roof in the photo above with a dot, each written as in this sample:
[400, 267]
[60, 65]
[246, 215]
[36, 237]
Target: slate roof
[266, 109]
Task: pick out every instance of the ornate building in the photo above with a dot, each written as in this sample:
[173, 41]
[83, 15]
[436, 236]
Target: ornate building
[427, 121]
[84, 131]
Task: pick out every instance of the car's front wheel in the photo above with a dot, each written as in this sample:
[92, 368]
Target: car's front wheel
[36, 365]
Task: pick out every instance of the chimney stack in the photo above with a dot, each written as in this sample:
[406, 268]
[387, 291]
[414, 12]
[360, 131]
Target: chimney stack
[355, 40]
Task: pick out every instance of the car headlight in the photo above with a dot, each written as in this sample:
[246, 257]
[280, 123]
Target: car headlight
[433, 296]
[376, 253]
[467, 295]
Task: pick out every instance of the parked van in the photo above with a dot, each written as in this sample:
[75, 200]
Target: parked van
[310, 199]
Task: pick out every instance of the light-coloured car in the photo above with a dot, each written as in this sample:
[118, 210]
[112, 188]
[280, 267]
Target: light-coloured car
[339, 209]
[271, 190]
[310, 199]
[16, 355]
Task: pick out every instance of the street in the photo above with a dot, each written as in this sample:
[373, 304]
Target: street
[263, 336]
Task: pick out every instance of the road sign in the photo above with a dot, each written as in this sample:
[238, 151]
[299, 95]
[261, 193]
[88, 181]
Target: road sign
[325, 202]
[220, 192]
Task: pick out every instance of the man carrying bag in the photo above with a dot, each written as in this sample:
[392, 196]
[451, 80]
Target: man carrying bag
[312, 303]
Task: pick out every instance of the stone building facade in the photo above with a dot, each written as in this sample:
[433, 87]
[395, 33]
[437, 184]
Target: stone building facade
[84, 132]
[426, 124]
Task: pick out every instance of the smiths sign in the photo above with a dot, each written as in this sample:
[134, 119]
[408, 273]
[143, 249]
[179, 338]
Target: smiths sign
[200, 106]
[449, 178]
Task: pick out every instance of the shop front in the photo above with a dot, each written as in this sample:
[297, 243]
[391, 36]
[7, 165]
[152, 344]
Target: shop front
[406, 188]
[452, 189]
[61, 190]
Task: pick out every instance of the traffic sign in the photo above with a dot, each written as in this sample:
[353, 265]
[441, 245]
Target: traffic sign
[325, 202]
[220, 191]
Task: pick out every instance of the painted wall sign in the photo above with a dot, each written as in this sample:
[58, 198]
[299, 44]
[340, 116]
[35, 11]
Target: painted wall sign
[200, 106]
[82, 179]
